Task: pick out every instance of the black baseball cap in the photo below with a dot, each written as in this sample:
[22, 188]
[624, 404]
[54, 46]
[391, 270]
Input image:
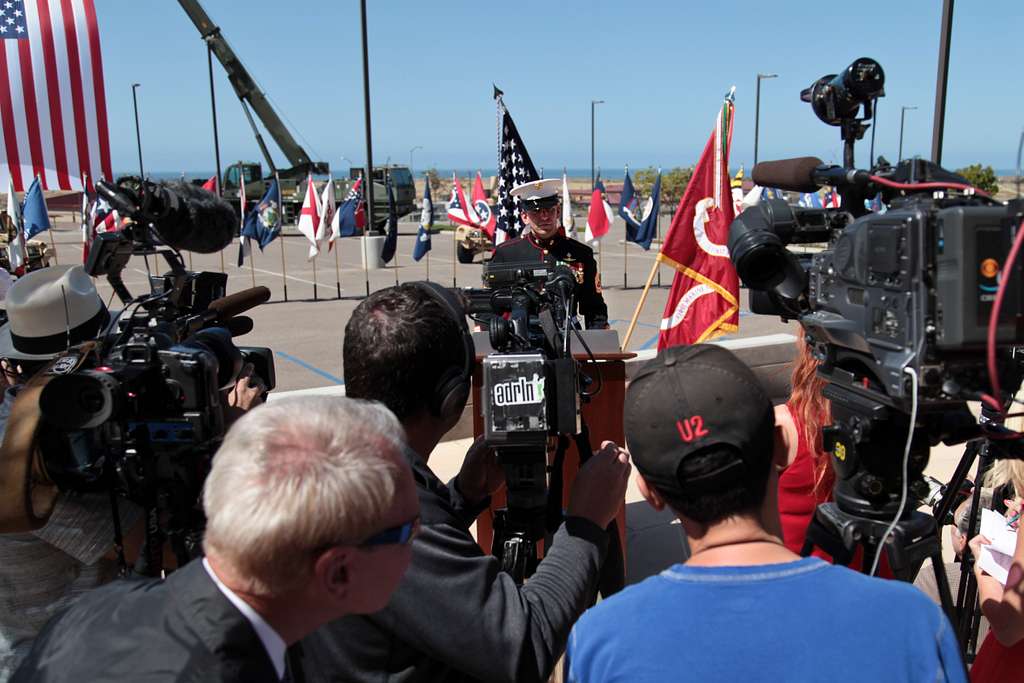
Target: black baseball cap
[687, 400]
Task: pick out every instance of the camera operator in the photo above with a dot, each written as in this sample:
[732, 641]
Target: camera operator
[455, 615]
[743, 607]
[547, 241]
[310, 508]
[44, 571]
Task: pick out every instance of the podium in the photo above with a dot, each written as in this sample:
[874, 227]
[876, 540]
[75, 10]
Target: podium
[602, 414]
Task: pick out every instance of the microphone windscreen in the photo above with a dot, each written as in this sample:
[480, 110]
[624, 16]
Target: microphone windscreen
[238, 325]
[794, 175]
[239, 302]
[198, 221]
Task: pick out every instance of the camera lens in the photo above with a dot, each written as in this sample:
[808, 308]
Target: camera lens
[82, 400]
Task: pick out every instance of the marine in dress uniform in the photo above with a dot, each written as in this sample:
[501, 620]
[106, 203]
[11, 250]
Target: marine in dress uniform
[547, 241]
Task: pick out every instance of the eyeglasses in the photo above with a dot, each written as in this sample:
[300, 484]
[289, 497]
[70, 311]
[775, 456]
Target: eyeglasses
[397, 535]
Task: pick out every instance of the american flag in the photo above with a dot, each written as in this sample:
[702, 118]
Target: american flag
[53, 112]
[514, 168]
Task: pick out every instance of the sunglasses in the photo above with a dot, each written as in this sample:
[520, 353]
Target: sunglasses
[397, 535]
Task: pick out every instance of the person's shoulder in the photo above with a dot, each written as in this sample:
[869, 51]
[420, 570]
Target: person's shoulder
[899, 597]
[630, 600]
[578, 248]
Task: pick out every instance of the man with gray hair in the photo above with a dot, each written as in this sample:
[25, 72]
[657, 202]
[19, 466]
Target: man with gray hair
[310, 509]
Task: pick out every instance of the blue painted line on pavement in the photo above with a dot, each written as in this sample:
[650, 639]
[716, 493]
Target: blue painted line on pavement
[311, 368]
[650, 342]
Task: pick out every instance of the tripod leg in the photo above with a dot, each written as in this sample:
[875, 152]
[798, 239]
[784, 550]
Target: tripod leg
[942, 583]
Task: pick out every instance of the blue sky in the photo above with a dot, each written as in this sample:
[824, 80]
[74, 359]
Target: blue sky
[661, 67]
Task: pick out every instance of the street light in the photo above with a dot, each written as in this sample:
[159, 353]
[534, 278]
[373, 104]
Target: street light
[138, 136]
[593, 103]
[410, 155]
[903, 114]
[757, 109]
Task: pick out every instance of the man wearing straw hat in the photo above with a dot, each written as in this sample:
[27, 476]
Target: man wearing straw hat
[46, 566]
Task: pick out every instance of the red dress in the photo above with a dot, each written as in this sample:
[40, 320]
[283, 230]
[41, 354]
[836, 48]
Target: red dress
[798, 499]
[997, 663]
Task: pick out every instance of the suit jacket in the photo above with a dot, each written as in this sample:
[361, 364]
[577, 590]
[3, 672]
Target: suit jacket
[455, 616]
[178, 629]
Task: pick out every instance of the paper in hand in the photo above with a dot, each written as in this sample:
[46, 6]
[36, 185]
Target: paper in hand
[997, 558]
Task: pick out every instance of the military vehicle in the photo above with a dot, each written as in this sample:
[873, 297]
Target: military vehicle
[293, 189]
[38, 252]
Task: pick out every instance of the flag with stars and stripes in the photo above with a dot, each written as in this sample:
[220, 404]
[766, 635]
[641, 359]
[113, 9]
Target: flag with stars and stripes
[514, 168]
[53, 112]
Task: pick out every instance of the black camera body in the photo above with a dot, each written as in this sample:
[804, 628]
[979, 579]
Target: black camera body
[896, 307]
[909, 288]
[138, 411]
[531, 393]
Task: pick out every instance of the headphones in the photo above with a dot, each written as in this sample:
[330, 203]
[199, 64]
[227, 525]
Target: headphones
[452, 390]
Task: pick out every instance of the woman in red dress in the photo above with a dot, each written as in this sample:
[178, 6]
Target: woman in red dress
[807, 480]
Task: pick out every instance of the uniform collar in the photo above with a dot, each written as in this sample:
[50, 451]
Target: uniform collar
[548, 243]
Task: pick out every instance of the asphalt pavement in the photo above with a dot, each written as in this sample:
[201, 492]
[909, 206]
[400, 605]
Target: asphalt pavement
[306, 331]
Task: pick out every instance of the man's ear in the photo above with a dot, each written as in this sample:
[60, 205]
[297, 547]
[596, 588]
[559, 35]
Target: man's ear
[649, 494]
[333, 571]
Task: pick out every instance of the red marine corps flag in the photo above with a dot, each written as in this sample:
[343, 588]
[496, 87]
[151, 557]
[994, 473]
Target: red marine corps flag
[704, 300]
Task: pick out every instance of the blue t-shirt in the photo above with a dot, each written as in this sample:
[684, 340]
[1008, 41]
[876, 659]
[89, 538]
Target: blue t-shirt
[799, 621]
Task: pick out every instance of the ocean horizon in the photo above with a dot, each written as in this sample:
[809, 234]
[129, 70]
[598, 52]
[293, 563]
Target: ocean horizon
[576, 173]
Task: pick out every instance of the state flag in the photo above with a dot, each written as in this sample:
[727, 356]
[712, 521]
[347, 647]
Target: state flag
[350, 216]
[484, 215]
[16, 255]
[600, 216]
[423, 245]
[309, 217]
[34, 216]
[263, 222]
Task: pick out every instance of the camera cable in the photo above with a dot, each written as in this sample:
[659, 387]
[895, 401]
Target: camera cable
[906, 463]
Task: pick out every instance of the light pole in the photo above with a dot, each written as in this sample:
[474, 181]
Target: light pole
[593, 103]
[138, 136]
[903, 114]
[757, 109]
[410, 155]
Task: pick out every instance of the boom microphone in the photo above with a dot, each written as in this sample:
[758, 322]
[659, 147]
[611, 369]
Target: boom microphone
[805, 174]
[239, 302]
[185, 217]
[787, 174]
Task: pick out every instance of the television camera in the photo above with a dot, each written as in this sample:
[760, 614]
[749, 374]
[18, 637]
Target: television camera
[532, 393]
[911, 313]
[138, 412]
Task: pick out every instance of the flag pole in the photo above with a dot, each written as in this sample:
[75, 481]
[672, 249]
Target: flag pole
[657, 236]
[428, 266]
[190, 261]
[314, 278]
[337, 271]
[396, 256]
[366, 266]
[455, 259]
[53, 244]
[640, 304]
[625, 261]
[252, 266]
[284, 273]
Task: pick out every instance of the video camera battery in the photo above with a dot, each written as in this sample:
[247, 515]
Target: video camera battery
[514, 400]
[971, 245]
